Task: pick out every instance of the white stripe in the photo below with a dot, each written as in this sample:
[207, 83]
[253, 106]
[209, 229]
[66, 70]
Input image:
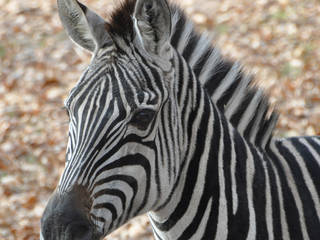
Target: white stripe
[233, 177]
[250, 169]
[257, 122]
[203, 45]
[184, 37]
[249, 112]
[237, 98]
[222, 229]
[210, 66]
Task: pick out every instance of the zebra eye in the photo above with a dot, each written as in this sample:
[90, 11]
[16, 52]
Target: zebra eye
[142, 118]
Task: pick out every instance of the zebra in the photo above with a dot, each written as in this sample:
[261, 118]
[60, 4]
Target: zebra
[161, 124]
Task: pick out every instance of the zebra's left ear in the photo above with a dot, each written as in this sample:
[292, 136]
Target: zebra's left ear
[85, 27]
[153, 24]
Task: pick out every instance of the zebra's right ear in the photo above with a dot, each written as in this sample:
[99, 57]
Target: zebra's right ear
[84, 26]
[153, 24]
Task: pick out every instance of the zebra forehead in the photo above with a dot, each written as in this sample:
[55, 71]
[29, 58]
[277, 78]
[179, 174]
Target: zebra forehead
[106, 91]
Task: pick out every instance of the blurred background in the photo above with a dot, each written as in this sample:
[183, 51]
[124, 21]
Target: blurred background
[277, 40]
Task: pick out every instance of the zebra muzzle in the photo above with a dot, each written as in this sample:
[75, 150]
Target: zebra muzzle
[66, 217]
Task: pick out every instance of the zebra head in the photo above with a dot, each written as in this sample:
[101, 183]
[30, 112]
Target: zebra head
[122, 120]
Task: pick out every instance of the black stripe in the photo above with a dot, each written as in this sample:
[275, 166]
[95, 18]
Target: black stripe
[215, 80]
[290, 207]
[201, 62]
[179, 27]
[259, 197]
[191, 45]
[277, 230]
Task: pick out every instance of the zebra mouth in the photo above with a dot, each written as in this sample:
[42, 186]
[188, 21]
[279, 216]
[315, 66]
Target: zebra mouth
[82, 231]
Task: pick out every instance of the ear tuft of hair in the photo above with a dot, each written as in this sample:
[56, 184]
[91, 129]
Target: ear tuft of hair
[120, 21]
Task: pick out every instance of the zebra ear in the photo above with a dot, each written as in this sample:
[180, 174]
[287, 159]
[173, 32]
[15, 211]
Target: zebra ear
[153, 24]
[84, 26]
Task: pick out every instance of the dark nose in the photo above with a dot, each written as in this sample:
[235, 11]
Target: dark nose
[66, 217]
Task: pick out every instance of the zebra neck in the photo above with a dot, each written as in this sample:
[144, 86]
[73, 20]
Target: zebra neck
[215, 183]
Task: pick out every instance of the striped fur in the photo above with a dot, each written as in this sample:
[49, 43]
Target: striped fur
[202, 165]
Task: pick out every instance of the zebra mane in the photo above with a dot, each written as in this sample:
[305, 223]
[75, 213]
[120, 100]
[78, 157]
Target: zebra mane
[243, 103]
